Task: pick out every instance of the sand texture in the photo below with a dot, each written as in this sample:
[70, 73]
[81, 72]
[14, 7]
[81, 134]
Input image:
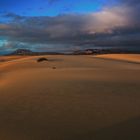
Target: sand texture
[135, 58]
[70, 98]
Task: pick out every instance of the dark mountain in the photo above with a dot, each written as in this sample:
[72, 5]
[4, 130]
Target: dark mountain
[105, 51]
[29, 52]
[22, 52]
[77, 52]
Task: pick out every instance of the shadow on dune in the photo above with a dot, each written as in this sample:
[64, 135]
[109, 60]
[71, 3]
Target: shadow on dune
[128, 130]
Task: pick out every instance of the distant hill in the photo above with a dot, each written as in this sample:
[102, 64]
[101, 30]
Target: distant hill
[22, 52]
[104, 51]
[29, 52]
[78, 52]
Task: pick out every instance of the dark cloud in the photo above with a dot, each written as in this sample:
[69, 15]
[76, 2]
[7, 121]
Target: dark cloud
[130, 2]
[113, 26]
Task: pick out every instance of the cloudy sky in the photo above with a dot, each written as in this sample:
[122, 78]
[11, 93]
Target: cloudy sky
[58, 25]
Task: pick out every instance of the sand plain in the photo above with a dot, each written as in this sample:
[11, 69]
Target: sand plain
[84, 98]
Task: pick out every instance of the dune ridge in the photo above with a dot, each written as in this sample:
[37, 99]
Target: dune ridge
[135, 58]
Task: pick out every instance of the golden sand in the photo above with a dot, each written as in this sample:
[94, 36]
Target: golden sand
[84, 98]
[122, 57]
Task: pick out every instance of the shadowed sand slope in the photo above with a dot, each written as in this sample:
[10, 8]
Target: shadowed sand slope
[84, 98]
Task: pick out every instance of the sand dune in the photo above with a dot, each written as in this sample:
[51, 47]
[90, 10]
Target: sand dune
[84, 98]
[123, 57]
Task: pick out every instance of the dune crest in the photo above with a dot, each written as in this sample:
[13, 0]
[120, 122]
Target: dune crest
[124, 57]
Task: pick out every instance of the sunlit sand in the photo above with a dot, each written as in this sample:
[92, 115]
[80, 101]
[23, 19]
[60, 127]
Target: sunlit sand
[83, 98]
[122, 57]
